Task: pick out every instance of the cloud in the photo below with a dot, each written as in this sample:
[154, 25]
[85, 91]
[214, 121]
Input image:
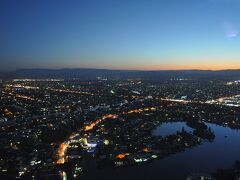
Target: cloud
[230, 30]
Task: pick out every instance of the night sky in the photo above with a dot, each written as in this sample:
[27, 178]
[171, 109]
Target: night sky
[120, 34]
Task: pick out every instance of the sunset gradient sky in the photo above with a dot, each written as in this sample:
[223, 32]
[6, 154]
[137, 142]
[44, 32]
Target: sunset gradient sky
[120, 34]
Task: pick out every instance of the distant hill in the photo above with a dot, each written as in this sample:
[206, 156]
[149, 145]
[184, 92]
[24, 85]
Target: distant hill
[93, 73]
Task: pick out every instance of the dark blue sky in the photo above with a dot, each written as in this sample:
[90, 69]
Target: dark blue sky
[120, 34]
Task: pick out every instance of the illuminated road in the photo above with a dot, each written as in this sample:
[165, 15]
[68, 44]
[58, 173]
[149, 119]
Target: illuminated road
[61, 152]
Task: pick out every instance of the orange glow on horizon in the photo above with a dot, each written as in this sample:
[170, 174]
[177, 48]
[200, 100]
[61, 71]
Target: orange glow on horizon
[211, 67]
[155, 64]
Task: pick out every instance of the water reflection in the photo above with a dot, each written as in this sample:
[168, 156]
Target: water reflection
[169, 128]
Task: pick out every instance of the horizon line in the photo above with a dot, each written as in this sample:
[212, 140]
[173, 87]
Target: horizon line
[116, 69]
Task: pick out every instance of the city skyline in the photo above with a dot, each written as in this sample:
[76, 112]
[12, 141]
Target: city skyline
[136, 35]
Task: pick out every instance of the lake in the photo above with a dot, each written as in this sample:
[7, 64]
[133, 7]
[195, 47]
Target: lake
[204, 158]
